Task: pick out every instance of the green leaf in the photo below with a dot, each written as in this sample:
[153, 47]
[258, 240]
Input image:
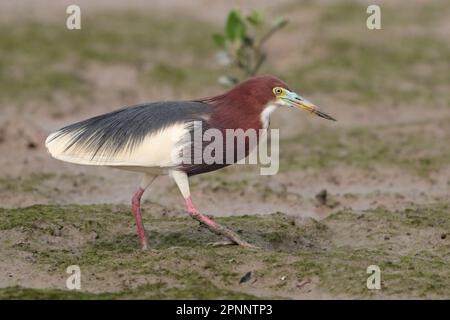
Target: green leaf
[256, 18]
[235, 28]
[219, 39]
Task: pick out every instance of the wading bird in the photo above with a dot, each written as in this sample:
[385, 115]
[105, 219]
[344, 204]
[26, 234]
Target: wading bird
[144, 138]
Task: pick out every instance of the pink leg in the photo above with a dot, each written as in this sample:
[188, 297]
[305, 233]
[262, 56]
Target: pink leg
[194, 212]
[214, 226]
[136, 207]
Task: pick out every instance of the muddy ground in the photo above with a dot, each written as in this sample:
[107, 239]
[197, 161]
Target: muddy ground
[384, 164]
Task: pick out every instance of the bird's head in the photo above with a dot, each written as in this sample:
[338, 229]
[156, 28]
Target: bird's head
[266, 90]
[286, 97]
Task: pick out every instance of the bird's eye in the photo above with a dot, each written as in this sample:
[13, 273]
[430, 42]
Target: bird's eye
[278, 91]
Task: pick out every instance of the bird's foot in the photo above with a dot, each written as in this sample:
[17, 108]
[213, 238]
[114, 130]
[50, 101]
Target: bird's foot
[215, 227]
[230, 235]
[221, 230]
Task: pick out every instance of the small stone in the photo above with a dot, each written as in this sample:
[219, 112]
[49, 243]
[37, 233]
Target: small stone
[322, 197]
[31, 145]
[386, 238]
[246, 277]
[283, 278]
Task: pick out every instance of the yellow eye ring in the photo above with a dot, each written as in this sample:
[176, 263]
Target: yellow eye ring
[278, 91]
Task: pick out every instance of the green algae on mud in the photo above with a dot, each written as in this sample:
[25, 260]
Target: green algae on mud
[150, 291]
[331, 255]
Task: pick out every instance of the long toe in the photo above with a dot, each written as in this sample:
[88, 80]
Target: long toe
[245, 244]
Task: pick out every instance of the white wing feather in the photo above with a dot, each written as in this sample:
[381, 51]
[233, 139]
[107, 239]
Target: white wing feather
[156, 150]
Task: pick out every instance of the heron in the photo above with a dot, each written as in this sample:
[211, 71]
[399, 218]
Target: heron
[144, 138]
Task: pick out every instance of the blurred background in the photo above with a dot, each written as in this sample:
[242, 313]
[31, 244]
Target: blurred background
[388, 88]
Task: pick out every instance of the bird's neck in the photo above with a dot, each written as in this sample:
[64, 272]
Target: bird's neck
[265, 114]
[246, 114]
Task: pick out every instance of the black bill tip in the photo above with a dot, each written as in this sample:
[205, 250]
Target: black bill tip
[324, 115]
